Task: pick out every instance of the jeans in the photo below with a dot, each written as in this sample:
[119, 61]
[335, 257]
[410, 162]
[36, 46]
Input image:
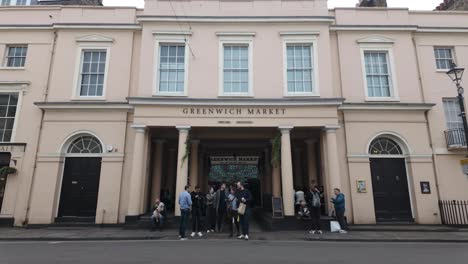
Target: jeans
[220, 218]
[157, 222]
[341, 219]
[196, 220]
[244, 222]
[184, 217]
[315, 215]
[233, 222]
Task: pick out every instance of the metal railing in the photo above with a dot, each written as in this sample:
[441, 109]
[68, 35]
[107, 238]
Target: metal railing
[454, 213]
[455, 138]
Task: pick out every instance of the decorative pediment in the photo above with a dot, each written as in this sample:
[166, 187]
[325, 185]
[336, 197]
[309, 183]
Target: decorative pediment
[376, 39]
[94, 38]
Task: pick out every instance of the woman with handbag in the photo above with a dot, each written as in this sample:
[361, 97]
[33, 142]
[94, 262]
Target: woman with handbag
[245, 198]
[232, 212]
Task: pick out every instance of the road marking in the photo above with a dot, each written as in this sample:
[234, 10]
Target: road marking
[55, 242]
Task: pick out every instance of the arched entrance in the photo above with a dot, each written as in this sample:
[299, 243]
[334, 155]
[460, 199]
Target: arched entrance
[389, 181]
[80, 183]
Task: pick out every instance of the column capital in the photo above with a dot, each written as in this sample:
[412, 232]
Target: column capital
[183, 128]
[139, 128]
[331, 129]
[285, 129]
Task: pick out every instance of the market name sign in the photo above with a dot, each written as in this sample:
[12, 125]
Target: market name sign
[234, 111]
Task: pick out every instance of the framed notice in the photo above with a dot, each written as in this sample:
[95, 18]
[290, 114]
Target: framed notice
[277, 204]
[361, 186]
[425, 187]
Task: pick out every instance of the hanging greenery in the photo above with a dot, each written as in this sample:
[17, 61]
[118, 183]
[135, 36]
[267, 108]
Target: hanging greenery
[188, 148]
[7, 170]
[276, 150]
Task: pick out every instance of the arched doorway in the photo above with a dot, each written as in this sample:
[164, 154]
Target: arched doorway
[389, 181]
[80, 183]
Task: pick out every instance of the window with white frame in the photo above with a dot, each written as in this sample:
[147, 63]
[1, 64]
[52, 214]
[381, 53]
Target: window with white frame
[171, 69]
[92, 72]
[14, 2]
[236, 69]
[443, 57]
[452, 113]
[16, 56]
[378, 73]
[8, 104]
[299, 68]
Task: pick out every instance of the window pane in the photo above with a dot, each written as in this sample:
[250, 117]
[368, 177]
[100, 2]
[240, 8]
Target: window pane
[8, 105]
[443, 58]
[299, 68]
[92, 72]
[236, 69]
[171, 68]
[378, 73]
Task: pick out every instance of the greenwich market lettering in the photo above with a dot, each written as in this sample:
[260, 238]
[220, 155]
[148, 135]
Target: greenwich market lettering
[234, 111]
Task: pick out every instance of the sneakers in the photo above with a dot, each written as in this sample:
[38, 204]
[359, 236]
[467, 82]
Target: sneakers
[246, 237]
[183, 239]
[200, 234]
[319, 232]
[343, 232]
[193, 234]
[312, 232]
[207, 231]
[240, 237]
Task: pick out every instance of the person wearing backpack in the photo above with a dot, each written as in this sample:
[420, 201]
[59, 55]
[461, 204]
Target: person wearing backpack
[315, 204]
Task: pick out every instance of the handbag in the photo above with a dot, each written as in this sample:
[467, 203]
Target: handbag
[241, 209]
[335, 226]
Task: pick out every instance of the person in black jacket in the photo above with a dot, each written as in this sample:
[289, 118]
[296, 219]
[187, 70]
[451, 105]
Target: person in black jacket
[197, 209]
[244, 196]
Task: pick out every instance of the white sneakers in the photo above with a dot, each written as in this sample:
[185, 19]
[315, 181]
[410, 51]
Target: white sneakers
[315, 232]
[183, 239]
[246, 237]
[198, 234]
[343, 232]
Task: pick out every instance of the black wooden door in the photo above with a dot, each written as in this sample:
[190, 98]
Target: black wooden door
[80, 187]
[390, 188]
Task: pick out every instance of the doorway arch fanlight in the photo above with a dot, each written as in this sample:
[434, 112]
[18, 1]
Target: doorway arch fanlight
[85, 144]
[385, 146]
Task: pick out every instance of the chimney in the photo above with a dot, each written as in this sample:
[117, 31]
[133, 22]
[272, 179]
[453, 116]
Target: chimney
[453, 5]
[372, 3]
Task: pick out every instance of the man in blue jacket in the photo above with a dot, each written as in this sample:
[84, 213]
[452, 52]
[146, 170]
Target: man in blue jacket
[185, 202]
[339, 203]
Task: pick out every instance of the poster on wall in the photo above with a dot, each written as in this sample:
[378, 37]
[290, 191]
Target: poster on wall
[361, 186]
[464, 165]
[425, 187]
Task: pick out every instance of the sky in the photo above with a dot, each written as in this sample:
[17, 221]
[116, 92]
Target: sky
[411, 4]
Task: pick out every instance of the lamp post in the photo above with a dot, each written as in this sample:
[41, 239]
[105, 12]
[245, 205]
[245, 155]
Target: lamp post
[456, 74]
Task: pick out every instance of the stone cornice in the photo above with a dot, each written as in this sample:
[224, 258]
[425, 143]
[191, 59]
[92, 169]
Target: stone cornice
[386, 106]
[236, 102]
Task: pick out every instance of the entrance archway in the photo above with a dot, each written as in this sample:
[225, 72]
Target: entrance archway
[389, 181]
[80, 183]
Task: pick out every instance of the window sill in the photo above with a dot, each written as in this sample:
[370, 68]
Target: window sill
[382, 99]
[170, 95]
[88, 99]
[13, 68]
[302, 95]
[236, 96]
[442, 70]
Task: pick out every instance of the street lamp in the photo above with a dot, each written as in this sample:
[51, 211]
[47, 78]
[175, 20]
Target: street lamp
[456, 74]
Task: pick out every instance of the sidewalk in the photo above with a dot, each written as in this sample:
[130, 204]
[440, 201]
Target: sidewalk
[117, 233]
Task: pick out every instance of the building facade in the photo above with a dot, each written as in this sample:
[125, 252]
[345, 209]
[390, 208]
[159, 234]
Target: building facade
[107, 108]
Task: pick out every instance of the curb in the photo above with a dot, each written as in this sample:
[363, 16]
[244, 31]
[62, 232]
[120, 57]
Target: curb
[378, 240]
